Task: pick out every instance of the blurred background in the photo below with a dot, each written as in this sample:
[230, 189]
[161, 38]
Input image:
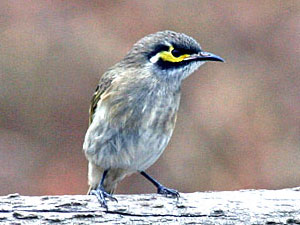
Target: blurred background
[239, 122]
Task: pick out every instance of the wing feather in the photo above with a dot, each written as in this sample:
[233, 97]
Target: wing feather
[104, 84]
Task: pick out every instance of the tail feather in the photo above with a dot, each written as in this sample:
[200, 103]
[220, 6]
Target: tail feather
[113, 177]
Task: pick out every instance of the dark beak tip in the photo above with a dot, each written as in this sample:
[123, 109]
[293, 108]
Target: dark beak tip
[221, 60]
[207, 56]
[216, 58]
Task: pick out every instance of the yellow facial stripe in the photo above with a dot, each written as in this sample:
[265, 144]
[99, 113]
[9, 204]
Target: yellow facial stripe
[167, 56]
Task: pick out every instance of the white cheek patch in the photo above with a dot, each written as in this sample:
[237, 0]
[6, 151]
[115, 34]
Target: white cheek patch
[155, 58]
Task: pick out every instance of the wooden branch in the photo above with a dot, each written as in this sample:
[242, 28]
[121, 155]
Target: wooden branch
[228, 207]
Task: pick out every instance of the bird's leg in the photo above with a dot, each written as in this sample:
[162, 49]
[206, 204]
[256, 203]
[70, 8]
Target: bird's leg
[101, 194]
[160, 188]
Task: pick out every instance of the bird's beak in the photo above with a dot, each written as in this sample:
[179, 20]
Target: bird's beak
[205, 56]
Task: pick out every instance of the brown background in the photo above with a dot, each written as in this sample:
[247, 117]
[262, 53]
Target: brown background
[239, 122]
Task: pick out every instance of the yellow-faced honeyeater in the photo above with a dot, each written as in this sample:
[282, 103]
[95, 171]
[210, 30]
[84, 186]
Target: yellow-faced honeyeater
[133, 111]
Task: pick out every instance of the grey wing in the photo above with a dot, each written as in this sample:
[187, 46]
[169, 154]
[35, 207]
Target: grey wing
[99, 134]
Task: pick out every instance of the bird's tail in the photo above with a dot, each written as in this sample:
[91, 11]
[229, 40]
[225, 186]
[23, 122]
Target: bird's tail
[111, 180]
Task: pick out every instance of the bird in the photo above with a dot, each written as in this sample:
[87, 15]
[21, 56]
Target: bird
[134, 108]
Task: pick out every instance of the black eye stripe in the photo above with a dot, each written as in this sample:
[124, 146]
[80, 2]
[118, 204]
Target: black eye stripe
[157, 49]
[176, 52]
[186, 49]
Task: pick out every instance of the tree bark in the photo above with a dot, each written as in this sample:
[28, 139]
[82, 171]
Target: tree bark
[228, 207]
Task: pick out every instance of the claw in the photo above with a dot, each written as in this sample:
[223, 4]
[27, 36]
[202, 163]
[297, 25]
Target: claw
[111, 198]
[168, 192]
[101, 194]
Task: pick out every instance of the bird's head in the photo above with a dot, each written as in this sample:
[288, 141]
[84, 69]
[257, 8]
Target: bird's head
[168, 55]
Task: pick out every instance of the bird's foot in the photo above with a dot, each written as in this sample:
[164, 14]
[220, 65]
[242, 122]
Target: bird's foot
[101, 194]
[168, 192]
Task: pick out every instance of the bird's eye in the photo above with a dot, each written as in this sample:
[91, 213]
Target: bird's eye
[176, 53]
